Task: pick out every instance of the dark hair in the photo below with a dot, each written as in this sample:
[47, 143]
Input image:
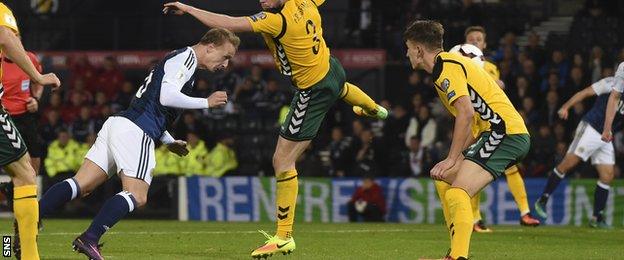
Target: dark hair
[426, 32]
[218, 36]
[475, 29]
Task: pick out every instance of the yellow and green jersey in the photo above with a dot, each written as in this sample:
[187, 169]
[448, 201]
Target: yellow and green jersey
[7, 19]
[294, 35]
[456, 76]
[491, 69]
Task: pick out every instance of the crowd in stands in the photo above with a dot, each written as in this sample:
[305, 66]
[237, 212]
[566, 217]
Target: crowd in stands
[240, 138]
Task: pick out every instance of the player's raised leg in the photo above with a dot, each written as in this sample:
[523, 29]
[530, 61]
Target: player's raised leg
[362, 104]
[88, 177]
[554, 178]
[601, 194]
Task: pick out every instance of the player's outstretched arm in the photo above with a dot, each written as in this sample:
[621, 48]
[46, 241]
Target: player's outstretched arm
[607, 135]
[210, 19]
[578, 97]
[461, 132]
[13, 49]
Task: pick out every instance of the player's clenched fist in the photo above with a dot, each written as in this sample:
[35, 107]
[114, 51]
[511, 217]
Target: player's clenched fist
[217, 99]
[176, 8]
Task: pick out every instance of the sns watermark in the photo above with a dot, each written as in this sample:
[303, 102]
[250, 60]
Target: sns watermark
[6, 246]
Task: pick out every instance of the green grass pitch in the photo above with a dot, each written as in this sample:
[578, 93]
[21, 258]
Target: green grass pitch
[147, 239]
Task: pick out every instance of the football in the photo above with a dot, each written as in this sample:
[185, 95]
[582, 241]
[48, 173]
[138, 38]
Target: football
[470, 51]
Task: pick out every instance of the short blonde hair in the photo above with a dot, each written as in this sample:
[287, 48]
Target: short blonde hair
[218, 36]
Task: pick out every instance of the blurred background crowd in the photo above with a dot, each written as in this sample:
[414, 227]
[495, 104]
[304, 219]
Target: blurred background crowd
[543, 60]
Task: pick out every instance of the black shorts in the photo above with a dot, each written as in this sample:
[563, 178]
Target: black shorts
[28, 126]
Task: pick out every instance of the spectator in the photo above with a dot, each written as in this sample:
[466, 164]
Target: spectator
[70, 112]
[167, 162]
[366, 157]
[123, 97]
[309, 162]
[202, 88]
[222, 158]
[83, 125]
[229, 80]
[105, 112]
[421, 126]
[244, 94]
[416, 156]
[531, 115]
[416, 86]
[557, 65]
[551, 83]
[543, 147]
[395, 127]
[368, 202]
[529, 71]
[270, 100]
[549, 112]
[534, 50]
[521, 90]
[195, 162]
[188, 124]
[63, 155]
[340, 153]
[79, 87]
[596, 63]
[256, 77]
[508, 41]
[56, 103]
[576, 82]
[100, 102]
[109, 79]
[52, 126]
[82, 69]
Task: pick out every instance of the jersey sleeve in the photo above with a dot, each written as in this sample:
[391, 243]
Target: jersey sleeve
[619, 85]
[453, 82]
[265, 22]
[603, 86]
[179, 69]
[7, 19]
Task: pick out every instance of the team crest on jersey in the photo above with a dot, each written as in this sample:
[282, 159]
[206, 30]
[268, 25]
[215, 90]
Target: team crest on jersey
[10, 20]
[258, 16]
[445, 84]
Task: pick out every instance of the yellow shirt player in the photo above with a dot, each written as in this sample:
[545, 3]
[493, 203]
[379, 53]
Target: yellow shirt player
[14, 157]
[293, 32]
[476, 35]
[466, 89]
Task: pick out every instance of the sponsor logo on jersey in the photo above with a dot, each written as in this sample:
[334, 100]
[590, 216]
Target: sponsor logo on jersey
[445, 84]
[258, 16]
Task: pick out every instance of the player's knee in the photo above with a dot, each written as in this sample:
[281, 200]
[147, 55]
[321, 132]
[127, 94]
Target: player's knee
[279, 163]
[25, 177]
[606, 176]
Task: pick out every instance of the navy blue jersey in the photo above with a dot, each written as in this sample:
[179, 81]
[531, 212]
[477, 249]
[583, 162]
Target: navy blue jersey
[596, 115]
[146, 110]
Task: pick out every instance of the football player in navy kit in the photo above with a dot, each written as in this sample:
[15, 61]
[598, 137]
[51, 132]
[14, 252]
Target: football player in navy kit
[588, 143]
[125, 145]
